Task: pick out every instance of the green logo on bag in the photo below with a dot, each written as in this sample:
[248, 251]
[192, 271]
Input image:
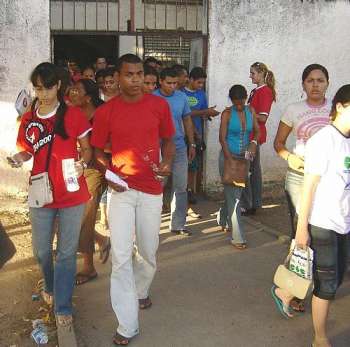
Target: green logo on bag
[347, 162]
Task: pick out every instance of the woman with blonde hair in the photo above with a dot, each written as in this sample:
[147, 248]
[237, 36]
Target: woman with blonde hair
[260, 99]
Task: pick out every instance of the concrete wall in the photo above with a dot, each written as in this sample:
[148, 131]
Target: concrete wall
[24, 42]
[286, 35]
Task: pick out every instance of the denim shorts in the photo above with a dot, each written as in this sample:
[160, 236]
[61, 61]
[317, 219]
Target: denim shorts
[330, 260]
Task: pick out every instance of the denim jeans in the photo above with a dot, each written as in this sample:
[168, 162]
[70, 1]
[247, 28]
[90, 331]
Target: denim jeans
[179, 190]
[230, 212]
[252, 193]
[293, 186]
[132, 213]
[59, 277]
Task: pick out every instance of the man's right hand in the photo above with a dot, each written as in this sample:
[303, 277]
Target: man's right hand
[118, 188]
[295, 162]
[211, 112]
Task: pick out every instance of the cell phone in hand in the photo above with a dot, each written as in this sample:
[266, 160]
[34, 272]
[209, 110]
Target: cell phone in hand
[13, 162]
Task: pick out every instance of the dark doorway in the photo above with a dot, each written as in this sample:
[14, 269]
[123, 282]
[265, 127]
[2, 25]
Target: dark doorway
[85, 48]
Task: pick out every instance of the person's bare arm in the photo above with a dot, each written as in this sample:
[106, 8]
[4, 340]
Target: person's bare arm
[225, 118]
[18, 159]
[85, 150]
[256, 134]
[302, 237]
[207, 112]
[294, 161]
[261, 117]
[189, 131]
[168, 153]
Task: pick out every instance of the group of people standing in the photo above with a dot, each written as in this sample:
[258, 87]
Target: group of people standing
[150, 127]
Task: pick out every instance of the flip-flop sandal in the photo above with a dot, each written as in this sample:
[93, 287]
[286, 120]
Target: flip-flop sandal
[240, 246]
[121, 340]
[145, 303]
[297, 305]
[46, 297]
[104, 251]
[283, 309]
[84, 278]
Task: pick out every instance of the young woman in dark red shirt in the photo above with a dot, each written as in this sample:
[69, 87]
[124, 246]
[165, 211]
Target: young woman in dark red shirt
[49, 134]
[260, 99]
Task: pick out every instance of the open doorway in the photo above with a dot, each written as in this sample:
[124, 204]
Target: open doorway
[84, 48]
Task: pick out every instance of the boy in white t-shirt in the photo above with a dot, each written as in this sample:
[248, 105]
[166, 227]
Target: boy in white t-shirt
[324, 214]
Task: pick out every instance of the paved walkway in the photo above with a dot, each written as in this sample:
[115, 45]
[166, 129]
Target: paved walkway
[206, 293]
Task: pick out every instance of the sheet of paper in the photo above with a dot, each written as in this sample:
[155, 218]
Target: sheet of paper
[111, 176]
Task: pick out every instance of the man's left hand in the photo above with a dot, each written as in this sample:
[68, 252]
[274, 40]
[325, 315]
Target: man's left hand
[191, 153]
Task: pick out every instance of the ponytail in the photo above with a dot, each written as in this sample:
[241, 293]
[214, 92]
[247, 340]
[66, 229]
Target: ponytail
[270, 82]
[269, 77]
[60, 113]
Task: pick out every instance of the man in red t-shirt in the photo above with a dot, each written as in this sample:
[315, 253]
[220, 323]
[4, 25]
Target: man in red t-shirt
[138, 126]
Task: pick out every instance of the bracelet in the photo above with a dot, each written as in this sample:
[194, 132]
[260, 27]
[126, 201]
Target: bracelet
[254, 141]
[193, 145]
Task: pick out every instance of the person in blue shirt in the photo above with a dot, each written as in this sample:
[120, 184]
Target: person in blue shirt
[200, 111]
[181, 113]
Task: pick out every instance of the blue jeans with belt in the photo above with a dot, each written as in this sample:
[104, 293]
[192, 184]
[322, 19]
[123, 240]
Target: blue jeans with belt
[230, 213]
[59, 277]
[179, 190]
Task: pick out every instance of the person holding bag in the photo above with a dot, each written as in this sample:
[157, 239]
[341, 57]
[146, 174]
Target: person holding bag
[237, 124]
[324, 214]
[49, 134]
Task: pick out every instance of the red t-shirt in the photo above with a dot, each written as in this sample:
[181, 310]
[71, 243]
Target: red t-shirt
[34, 136]
[261, 99]
[135, 131]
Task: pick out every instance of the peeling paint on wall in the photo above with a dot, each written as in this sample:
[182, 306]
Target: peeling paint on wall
[24, 42]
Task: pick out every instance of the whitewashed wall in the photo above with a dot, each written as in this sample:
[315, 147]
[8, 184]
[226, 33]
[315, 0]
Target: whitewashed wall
[286, 35]
[24, 42]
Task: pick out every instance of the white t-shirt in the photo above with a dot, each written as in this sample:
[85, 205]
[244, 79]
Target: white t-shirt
[306, 121]
[327, 155]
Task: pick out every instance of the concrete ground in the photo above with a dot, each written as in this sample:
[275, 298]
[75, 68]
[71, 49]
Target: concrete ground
[206, 293]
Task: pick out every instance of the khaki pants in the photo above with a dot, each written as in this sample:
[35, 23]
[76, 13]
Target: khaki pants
[96, 184]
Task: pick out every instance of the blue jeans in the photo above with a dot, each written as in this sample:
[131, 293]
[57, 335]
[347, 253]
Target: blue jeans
[59, 278]
[230, 212]
[252, 193]
[179, 190]
[293, 186]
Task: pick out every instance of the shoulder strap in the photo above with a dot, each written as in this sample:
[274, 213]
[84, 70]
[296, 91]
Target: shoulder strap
[49, 152]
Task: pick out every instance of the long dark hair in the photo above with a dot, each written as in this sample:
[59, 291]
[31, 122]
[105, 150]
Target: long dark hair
[342, 96]
[91, 89]
[48, 74]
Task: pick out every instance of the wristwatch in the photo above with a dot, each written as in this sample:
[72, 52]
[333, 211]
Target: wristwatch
[193, 145]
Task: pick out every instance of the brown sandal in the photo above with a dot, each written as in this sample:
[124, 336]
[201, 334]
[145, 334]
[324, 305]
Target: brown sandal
[297, 305]
[240, 246]
[120, 340]
[145, 303]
